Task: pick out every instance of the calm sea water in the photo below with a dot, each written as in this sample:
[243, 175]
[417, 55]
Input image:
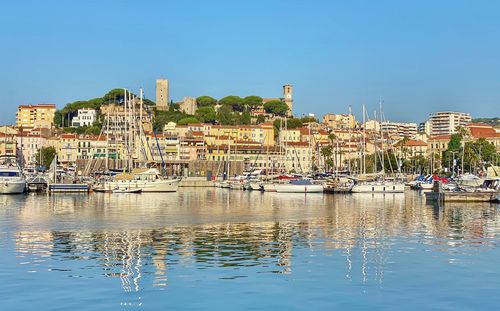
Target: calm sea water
[217, 249]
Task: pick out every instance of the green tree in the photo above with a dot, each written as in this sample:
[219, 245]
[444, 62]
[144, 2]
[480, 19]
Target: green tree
[45, 156]
[206, 114]
[225, 115]
[245, 118]
[235, 102]
[204, 101]
[163, 117]
[276, 107]
[188, 120]
[326, 153]
[252, 102]
[260, 119]
[115, 96]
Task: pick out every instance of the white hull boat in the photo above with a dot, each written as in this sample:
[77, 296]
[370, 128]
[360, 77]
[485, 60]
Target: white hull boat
[12, 186]
[236, 186]
[378, 188]
[291, 188]
[12, 180]
[268, 187]
[163, 185]
[147, 179]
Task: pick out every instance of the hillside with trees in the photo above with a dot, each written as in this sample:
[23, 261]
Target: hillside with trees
[229, 110]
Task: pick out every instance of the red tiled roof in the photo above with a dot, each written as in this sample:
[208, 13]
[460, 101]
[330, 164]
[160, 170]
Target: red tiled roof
[440, 137]
[411, 143]
[481, 132]
[298, 144]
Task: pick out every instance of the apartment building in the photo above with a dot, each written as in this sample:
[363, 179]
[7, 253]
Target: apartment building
[32, 116]
[447, 122]
[399, 129]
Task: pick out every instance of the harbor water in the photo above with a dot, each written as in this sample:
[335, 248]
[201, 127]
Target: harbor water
[220, 249]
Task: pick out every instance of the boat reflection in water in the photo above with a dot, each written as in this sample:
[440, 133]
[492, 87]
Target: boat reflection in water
[159, 241]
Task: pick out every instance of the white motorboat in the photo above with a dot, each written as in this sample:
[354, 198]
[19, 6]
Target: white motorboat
[147, 179]
[299, 186]
[378, 187]
[12, 179]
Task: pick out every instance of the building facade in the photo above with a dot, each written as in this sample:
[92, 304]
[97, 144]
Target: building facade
[339, 121]
[399, 129]
[446, 123]
[84, 117]
[188, 105]
[32, 116]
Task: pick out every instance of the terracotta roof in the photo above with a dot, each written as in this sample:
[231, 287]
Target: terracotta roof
[481, 132]
[411, 143]
[68, 135]
[197, 133]
[440, 137]
[298, 144]
[38, 106]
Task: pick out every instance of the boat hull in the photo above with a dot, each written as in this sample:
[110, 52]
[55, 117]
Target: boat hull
[166, 185]
[68, 188]
[378, 188]
[12, 187]
[288, 188]
[269, 187]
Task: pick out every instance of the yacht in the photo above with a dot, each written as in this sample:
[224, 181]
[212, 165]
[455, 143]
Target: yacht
[299, 186]
[146, 179]
[12, 179]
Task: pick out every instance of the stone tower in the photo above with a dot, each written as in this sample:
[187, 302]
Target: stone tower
[287, 96]
[162, 97]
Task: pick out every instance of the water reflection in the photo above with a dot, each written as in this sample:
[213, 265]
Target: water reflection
[140, 239]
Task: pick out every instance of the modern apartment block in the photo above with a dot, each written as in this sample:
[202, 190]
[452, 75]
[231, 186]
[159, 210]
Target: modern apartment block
[401, 129]
[162, 94]
[35, 116]
[447, 122]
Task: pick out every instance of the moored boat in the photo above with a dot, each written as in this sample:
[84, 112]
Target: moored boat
[299, 186]
[378, 187]
[126, 190]
[12, 180]
[147, 179]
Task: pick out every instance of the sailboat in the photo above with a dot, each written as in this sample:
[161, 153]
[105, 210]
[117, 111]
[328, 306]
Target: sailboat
[383, 185]
[147, 179]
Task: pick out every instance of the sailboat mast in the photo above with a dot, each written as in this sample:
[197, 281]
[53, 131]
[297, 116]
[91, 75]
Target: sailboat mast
[107, 142]
[363, 164]
[349, 146]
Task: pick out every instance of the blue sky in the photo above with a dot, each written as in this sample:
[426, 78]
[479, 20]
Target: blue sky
[418, 56]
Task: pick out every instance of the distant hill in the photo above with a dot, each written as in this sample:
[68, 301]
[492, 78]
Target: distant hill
[491, 121]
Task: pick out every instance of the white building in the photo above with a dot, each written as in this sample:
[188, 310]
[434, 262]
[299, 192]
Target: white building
[85, 117]
[447, 122]
[29, 144]
[400, 129]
